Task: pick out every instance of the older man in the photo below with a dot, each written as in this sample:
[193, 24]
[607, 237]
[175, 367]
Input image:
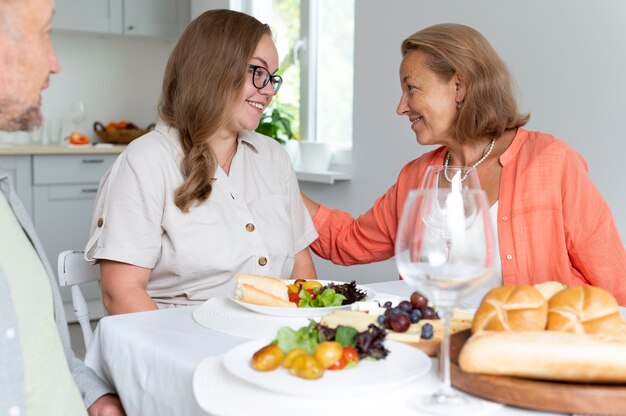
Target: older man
[39, 373]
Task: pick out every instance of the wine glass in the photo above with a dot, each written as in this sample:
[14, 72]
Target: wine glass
[445, 247]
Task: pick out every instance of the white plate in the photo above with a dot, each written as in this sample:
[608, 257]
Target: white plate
[301, 312]
[402, 365]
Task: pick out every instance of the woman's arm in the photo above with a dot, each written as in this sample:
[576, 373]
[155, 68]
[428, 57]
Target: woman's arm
[124, 287]
[303, 267]
[311, 205]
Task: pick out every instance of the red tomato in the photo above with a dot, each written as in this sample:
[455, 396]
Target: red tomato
[350, 354]
[312, 293]
[78, 139]
[294, 297]
[341, 363]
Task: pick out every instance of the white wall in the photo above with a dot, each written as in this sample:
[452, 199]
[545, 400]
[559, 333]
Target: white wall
[116, 77]
[569, 61]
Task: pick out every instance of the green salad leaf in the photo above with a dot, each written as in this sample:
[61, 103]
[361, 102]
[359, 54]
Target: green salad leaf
[321, 300]
[305, 337]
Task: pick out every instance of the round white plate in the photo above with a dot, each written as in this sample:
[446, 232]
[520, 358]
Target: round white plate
[403, 364]
[301, 312]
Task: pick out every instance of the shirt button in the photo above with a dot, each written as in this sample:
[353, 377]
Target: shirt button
[10, 333]
[249, 227]
[100, 222]
[505, 218]
[509, 257]
[262, 261]
[14, 411]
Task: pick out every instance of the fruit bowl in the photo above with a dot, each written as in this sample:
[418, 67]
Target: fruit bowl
[119, 133]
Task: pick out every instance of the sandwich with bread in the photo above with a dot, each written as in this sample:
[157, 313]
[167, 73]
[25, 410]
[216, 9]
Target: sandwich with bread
[575, 335]
[262, 290]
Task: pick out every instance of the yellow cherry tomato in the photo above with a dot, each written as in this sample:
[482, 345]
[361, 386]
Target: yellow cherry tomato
[328, 353]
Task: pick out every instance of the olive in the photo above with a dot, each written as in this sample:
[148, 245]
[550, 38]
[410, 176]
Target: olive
[328, 353]
[415, 316]
[291, 355]
[427, 331]
[400, 322]
[418, 300]
[305, 366]
[267, 358]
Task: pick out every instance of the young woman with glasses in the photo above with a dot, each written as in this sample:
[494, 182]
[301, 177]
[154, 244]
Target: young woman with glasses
[203, 197]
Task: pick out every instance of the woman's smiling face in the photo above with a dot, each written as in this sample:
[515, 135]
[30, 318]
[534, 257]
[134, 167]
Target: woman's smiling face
[429, 102]
[247, 111]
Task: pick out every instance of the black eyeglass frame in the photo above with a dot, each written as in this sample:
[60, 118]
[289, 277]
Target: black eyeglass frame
[276, 80]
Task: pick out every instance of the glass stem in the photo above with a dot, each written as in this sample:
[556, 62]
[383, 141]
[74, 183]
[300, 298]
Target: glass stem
[445, 315]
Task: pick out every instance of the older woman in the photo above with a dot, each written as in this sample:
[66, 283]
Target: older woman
[552, 223]
[203, 197]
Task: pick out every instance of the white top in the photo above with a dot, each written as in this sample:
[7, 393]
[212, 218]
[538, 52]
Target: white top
[253, 222]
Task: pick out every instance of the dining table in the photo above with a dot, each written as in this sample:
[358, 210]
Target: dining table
[170, 362]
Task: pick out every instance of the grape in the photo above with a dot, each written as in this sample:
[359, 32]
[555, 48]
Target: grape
[388, 312]
[427, 331]
[418, 300]
[381, 319]
[428, 313]
[415, 316]
[400, 322]
[395, 311]
[406, 306]
[387, 304]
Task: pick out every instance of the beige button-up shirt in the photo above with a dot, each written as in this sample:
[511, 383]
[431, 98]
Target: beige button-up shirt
[253, 222]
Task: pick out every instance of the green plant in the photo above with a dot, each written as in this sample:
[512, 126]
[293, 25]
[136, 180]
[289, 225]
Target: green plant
[276, 122]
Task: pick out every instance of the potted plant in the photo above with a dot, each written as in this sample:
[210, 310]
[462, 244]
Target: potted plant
[277, 121]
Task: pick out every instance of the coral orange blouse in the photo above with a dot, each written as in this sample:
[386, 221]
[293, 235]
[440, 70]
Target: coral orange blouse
[553, 224]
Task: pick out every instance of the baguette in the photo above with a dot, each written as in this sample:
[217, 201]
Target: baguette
[547, 355]
[263, 290]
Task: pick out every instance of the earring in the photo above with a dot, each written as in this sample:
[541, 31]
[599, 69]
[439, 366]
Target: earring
[459, 104]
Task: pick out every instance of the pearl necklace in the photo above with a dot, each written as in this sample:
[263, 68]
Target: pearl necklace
[481, 160]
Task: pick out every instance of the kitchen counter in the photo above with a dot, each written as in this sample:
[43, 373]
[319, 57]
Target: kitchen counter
[9, 149]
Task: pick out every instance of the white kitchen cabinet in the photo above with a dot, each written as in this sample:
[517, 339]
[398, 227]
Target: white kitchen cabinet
[156, 18]
[64, 189]
[99, 16]
[19, 170]
[161, 18]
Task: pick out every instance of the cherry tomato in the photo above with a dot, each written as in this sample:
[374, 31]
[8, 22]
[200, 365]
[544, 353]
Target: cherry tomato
[339, 364]
[328, 353]
[294, 297]
[312, 293]
[350, 354]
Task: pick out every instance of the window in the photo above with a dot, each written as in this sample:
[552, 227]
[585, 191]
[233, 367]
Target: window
[315, 42]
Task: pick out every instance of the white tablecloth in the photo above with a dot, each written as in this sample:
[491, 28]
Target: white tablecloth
[150, 358]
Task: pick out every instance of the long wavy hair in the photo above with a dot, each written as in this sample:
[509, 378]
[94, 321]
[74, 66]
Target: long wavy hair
[489, 107]
[204, 77]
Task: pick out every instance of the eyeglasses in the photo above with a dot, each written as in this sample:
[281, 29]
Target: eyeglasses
[261, 77]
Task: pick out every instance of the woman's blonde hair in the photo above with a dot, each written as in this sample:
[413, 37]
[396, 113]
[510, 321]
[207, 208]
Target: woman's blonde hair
[489, 106]
[203, 79]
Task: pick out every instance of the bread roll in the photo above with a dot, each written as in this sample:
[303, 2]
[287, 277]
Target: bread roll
[584, 309]
[511, 308]
[263, 290]
[547, 355]
[549, 289]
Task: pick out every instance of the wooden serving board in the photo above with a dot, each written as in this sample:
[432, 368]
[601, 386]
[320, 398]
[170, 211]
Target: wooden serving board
[597, 399]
